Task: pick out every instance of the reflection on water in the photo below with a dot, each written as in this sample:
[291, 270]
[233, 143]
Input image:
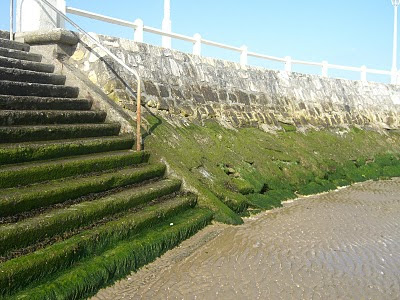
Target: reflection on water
[340, 245]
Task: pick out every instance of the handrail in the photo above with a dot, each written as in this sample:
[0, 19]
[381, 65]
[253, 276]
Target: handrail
[118, 60]
[197, 41]
[11, 20]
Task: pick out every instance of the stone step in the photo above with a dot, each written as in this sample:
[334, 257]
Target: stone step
[43, 117]
[17, 54]
[32, 151]
[34, 172]
[37, 89]
[10, 102]
[4, 35]
[118, 261]
[6, 43]
[23, 199]
[9, 62]
[31, 76]
[63, 254]
[58, 221]
[14, 134]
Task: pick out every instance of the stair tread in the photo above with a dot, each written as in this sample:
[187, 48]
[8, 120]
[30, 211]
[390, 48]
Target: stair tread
[43, 117]
[43, 103]
[37, 89]
[123, 258]
[6, 43]
[51, 143]
[58, 221]
[21, 75]
[30, 165]
[21, 133]
[23, 199]
[6, 61]
[86, 243]
[18, 54]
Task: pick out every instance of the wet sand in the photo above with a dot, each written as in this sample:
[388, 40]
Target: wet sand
[340, 245]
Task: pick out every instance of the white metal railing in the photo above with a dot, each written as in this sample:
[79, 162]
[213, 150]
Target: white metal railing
[198, 41]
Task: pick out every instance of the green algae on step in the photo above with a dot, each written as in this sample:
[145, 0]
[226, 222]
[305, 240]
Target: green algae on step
[31, 151]
[57, 221]
[91, 274]
[15, 273]
[14, 134]
[23, 199]
[33, 172]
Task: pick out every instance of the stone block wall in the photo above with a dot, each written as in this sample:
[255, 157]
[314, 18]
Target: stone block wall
[196, 88]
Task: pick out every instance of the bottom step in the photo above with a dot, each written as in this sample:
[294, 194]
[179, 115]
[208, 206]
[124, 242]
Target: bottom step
[87, 277]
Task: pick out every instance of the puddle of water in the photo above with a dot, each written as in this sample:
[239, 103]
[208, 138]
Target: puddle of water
[343, 244]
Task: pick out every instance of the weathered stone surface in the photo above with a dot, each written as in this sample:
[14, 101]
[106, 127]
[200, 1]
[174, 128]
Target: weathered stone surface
[197, 87]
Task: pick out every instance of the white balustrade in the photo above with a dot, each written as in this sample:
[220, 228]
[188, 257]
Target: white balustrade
[198, 41]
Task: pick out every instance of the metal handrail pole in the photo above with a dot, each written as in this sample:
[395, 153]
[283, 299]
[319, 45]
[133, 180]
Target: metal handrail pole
[11, 20]
[118, 60]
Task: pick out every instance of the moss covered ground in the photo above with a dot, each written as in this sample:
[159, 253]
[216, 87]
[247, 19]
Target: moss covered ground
[234, 170]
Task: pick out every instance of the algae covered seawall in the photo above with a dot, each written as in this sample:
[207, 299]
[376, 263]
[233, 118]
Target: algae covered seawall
[234, 171]
[246, 138]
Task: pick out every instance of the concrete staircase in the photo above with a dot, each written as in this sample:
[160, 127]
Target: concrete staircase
[78, 208]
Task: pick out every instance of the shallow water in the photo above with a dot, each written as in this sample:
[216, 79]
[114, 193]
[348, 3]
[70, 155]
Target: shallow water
[340, 245]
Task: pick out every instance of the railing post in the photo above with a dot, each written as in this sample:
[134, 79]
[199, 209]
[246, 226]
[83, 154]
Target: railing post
[324, 68]
[166, 24]
[363, 73]
[11, 20]
[243, 56]
[288, 64]
[394, 77]
[197, 44]
[138, 34]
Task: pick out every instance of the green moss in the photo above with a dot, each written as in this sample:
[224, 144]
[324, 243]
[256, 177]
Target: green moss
[14, 274]
[313, 162]
[49, 170]
[17, 200]
[27, 232]
[92, 274]
[30, 152]
[242, 186]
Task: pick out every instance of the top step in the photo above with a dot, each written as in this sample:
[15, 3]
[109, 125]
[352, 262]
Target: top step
[14, 45]
[4, 35]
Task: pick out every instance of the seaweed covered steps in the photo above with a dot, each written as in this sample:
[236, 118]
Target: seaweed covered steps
[72, 192]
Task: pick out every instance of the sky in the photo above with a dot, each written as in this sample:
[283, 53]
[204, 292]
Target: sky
[344, 32]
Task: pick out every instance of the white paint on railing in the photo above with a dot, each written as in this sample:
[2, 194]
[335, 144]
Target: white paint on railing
[197, 41]
[197, 44]
[243, 56]
[288, 64]
[363, 73]
[166, 25]
[324, 68]
[138, 34]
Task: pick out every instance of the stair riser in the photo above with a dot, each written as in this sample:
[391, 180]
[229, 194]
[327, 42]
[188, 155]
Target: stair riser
[25, 65]
[73, 189]
[56, 170]
[29, 76]
[33, 89]
[16, 236]
[33, 152]
[6, 43]
[45, 133]
[20, 55]
[11, 118]
[64, 254]
[37, 103]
